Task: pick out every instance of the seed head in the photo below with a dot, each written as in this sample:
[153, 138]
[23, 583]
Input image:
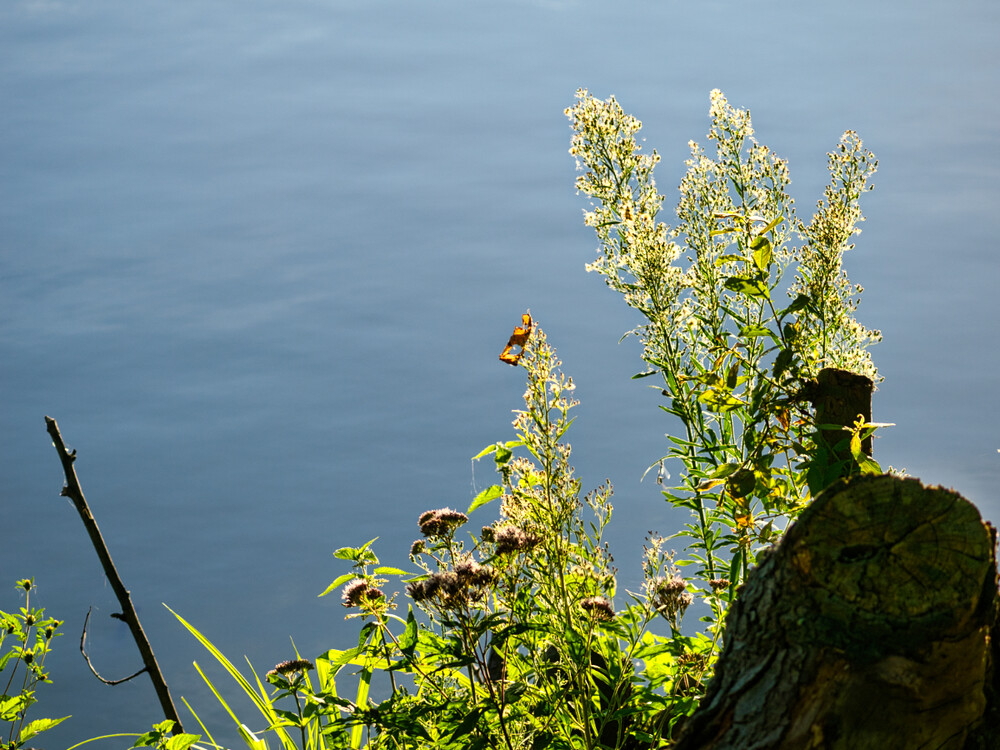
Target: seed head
[671, 597]
[453, 589]
[510, 538]
[441, 523]
[292, 666]
[599, 608]
[359, 592]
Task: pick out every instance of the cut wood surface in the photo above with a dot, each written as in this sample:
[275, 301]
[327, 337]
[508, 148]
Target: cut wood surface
[868, 626]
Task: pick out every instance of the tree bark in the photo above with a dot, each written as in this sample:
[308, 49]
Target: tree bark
[867, 627]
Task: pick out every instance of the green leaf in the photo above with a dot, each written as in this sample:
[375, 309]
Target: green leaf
[467, 724]
[498, 447]
[12, 706]
[720, 400]
[726, 230]
[869, 466]
[747, 286]
[565, 427]
[182, 741]
[366, 633]
[408, 639]
[772, 224]
[341, 580]
[261, 700]
[753, 332]
[732, 377]
[725, 470]
[741, 483]
[38, 726]
[797, 304]
[734, 569]
[762, 253]
[490, 494]
[856, 447]
[339, 659]
[360, 554]
[385, 570]
[729, 258]
[782, 361]
[709, 484]
[485, 452]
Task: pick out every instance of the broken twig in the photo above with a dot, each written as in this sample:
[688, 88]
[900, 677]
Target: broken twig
[74, 492]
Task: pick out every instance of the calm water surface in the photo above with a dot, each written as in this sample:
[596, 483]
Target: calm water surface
[258, 260]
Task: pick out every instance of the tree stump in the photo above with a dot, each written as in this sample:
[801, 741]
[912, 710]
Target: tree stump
[867, 628]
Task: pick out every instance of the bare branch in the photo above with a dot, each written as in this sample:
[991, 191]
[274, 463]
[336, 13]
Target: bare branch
[83, 650]
[74, 492]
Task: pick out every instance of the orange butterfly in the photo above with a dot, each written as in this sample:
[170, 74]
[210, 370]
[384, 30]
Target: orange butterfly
[518, 338]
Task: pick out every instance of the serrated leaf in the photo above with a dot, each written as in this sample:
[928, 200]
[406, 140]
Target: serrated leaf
[182, 741]
[339, 659]
[341, 580]
[357, 554]
[40, 725]
[485, 452]
[385, 570]
[408, 639]
[490, 494]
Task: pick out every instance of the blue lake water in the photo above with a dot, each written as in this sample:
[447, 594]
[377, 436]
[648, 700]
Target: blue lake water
[258, 260]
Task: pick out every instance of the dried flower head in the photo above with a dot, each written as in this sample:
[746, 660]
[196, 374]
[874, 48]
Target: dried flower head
[474, 575]
[288, 668]
[442, 522]
[718, 584]
[599, 608]
[509, 538]
[453, 589]
[671, 597]
[417, 548]
[359, 592]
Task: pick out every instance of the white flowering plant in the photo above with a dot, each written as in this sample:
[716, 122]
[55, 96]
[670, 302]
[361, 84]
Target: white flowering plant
[733, 352]
[512, 637]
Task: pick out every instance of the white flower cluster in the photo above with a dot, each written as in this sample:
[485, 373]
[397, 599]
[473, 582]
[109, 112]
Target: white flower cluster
[831, 337]
[731, 201]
